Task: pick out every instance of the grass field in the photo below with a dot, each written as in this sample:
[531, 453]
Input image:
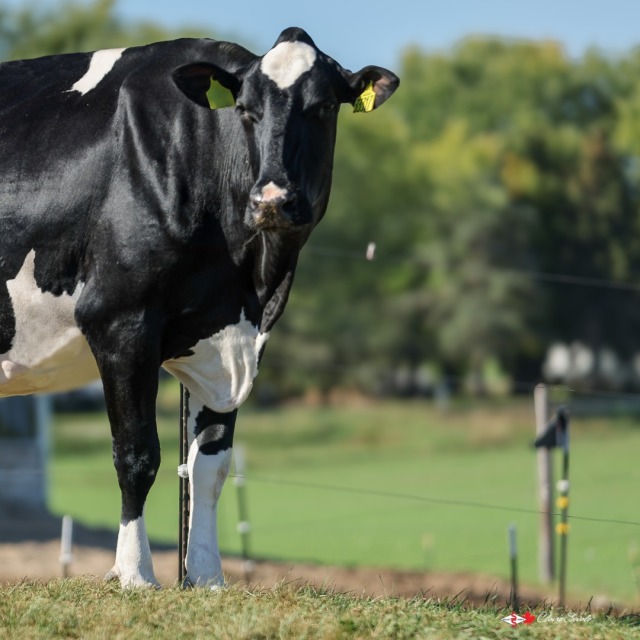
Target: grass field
[80, 609]
[320, 485]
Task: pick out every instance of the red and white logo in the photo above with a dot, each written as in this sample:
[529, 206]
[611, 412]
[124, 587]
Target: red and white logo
[514, 619]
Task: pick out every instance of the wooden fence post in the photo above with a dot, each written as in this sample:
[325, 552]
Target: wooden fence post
[545, 491]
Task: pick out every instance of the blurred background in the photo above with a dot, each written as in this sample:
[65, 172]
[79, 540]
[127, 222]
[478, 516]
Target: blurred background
[499, 187]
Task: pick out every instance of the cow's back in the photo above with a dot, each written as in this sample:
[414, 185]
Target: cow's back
[54, 157]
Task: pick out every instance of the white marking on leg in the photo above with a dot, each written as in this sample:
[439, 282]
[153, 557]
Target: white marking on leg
[133, 565]
[101, 63]
[286, 62]
[221, 370]
[207, 474]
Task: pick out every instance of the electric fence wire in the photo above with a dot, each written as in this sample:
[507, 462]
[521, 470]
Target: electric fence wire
[427, 499]
[388, 495]
[560, 389]
[533, 274]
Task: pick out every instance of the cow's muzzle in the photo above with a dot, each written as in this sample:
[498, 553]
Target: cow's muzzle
[273, 207]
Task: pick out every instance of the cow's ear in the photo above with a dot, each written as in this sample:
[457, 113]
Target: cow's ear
[370, 87]
[207, 85]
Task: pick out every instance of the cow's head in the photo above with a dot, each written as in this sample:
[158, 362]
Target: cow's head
[288, 102]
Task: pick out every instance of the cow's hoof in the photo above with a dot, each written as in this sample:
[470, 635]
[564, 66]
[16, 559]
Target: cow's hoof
[213, 585]
[133, 581]
[111, 576]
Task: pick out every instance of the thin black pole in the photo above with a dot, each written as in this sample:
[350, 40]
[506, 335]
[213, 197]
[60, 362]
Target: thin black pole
[513, 557]
[546, 560]
[183, 510]
[563, 526]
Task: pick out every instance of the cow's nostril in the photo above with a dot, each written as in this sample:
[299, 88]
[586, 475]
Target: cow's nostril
[289, 203]
[255, 199]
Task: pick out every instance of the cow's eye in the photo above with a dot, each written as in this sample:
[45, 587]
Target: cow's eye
[322, 111]
[326, 109]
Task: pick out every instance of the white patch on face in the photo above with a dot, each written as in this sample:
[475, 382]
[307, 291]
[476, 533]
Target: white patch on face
[101, 63]
[133, 565]
[207, 474]
[286, 62]
[49, 353]
[221, 370]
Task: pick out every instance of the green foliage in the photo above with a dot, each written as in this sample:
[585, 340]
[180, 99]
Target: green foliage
[494, 162]
[67, 27]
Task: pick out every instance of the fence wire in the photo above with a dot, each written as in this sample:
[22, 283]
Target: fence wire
[427, 499]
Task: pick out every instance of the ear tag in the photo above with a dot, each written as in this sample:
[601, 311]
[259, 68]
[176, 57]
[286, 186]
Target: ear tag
[366, 100]
[219, 96]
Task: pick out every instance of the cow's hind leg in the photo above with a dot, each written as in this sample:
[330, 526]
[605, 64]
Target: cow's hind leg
[129, 368]
[211, 439]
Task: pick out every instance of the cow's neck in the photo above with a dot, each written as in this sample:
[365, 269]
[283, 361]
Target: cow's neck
[274, 262]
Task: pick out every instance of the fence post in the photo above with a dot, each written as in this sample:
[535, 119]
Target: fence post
[545, 490]
[183, 494]
[66, 545]
[513, 558]
[563, 504]
[243, 515]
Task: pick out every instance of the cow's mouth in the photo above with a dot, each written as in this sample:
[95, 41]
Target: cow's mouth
[271, 218]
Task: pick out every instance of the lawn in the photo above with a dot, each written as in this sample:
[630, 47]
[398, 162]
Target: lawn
[79, 608]
[398, 484]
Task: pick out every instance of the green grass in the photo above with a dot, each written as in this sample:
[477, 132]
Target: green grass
[79, 608]
[466, 455]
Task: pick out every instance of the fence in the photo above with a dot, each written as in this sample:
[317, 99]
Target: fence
[410, 508]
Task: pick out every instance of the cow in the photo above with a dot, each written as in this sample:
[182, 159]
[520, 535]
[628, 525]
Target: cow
[153, 203]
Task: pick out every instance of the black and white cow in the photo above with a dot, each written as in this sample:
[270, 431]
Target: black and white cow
[141, 228]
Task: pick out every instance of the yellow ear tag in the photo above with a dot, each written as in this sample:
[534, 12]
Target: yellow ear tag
[219, 96]
[366, 100]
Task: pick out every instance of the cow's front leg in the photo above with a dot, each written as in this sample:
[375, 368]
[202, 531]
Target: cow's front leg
[128, 363]
[210, 442]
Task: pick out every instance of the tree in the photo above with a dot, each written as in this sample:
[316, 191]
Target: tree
[69, 27]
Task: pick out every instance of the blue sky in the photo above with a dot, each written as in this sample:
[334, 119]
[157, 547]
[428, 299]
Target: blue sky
[359, 33]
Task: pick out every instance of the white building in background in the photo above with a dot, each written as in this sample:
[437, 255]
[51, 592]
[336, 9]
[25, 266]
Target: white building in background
[578, 363]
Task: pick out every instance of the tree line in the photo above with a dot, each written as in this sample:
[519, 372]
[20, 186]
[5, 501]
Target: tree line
[500, 187]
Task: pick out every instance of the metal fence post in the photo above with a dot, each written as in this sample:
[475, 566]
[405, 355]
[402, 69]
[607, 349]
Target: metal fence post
[545, 490]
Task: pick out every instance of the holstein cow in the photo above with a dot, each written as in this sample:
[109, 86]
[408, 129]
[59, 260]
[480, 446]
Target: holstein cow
[142, 227]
